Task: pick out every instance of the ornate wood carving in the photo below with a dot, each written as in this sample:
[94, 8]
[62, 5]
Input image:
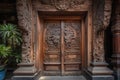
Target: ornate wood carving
[72, 41]
[52, 42]
[62, 45]
[25, 22]
[25, 19]
[98, 31]
[71, 37]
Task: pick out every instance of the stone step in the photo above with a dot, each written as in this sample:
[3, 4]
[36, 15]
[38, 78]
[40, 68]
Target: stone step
[62, 78]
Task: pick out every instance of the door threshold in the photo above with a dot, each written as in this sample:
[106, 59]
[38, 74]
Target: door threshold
[58, 73]
[62, 78]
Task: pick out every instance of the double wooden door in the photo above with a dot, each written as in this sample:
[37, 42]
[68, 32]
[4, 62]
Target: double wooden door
[62, 48]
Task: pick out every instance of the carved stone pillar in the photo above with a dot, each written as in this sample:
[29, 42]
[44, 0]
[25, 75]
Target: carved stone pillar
[116, 38]
[26, 70]
[99, 69]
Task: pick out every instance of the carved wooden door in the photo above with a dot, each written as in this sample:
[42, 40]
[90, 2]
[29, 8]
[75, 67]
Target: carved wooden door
[62, 48]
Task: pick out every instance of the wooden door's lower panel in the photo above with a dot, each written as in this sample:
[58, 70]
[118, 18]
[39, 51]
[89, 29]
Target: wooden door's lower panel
[72, 67]
[52, 68]
[52, 73]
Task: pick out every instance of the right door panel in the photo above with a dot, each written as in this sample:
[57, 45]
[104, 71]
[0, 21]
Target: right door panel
[72, 56]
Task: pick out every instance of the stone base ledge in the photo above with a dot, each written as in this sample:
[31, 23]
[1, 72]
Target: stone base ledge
[99, 71]
[104, 77]
[90, 76]
[26, 72]
[35, 76]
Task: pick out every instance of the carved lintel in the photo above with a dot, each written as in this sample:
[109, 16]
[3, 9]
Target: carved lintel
[62, 5]
[24, 21]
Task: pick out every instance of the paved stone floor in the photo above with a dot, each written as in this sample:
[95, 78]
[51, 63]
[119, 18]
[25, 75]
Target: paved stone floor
[62, 78]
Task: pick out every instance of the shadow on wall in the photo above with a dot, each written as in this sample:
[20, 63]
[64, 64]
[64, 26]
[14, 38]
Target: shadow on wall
[108, 47]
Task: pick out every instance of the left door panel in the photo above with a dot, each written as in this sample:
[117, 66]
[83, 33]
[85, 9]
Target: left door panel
[52, 60]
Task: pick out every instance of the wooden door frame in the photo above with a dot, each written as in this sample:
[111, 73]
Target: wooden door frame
[86, 39]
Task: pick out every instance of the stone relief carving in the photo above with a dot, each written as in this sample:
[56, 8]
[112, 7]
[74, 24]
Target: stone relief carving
[63, 4]
[101, 20]
[25, 18]
[24, 21]
[101, 23]
[107, 12]
[98, 31]
[98, 49]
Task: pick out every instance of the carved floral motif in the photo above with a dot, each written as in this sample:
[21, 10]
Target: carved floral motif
[24, 10]
[24, 21]
[71, 41]
[52, 42]
[72, 35]
[102, 15]
[98, 31]
[63, 4]
[107, 12]
[52, 37]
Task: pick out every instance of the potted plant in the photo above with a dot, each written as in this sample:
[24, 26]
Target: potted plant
[12, 37]
[5, 52]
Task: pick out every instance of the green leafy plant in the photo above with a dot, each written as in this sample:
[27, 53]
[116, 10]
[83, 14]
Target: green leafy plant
[12, 37]
[5, 52]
